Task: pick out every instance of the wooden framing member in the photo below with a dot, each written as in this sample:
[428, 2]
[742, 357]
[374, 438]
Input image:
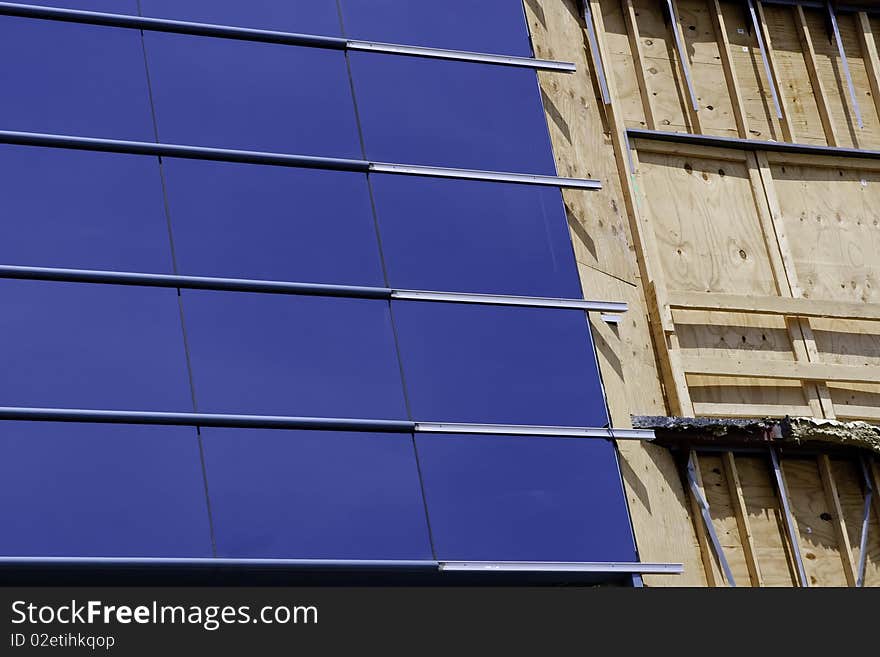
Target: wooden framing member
[684, 67]
[635, 45]
[706, 535]
[776, 242]
[789, 306]
[742, 517]
[739, 109]
[650, 268]
[815, 78]
[788, 133]
[869, 53]
[790, 520]
[833, 500]
[780, 369]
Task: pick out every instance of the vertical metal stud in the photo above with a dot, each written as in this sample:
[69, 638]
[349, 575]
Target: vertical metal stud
[682, 54]
[594, 50]
[866, 520]
[759, 34]
[849, 82]
[789, 523]
[707, 520]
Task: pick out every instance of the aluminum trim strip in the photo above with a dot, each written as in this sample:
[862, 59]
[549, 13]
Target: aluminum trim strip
[19, 272]
[271, 36]
[283, 159]
[535, 430]
[563, 567]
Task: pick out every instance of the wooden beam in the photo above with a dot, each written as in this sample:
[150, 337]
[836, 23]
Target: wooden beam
[767, 305]
[739, 108]
[788, 133]
[742, 517]
[787, 281]
[647, 257]
[713, 573]
[815, 77]
[684, 69]
[779, 369]
[833, 500]
[635, 46]
[869, 54]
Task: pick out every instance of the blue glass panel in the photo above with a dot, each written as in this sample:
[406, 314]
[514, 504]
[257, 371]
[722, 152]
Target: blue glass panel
[496, 26]
[101, 490]
[504, 239]
[111, 6]
[301, 494]
[65, 208]
[73, 79]
[290, 355]
[507, 365]
[91, 346]
[303, 16]
[508, 498]
[256, 96]
[453, 114]
[252, 221]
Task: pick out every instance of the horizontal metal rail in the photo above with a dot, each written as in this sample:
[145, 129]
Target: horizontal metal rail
[749, 144]
[563, 567]
[225, 420]
[609, 567]
[19, 272]
[282, 159]
[271, 36]
[535, 430]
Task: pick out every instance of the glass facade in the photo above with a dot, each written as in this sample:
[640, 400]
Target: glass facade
[188, 491]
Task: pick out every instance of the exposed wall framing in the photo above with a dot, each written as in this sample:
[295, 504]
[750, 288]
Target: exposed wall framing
[795, 88]
[767, 272]
[823, 503]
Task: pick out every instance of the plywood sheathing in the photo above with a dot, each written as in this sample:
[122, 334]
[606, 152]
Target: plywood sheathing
[581, 133]
[729, 76]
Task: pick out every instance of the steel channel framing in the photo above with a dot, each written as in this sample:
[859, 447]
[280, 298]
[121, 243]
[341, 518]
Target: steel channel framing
[759, 34]
[283, 159]
[609, 567]
[271, 36]
[309, 423]
[750, 144]
[866, 521]
[849, 82]
[682, 54]
[707, 520]
[304, 289]
[789, 523]
[596, 54]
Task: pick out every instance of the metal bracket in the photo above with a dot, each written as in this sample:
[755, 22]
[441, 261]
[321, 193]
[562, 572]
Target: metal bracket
[789, 523]
[707, 519]
[866, 521]
[849, 82]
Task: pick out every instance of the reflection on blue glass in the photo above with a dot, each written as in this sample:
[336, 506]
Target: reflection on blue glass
[474, 237]
[499, 365]
[91, 490]
[111, 6]
[315, 495]
[495, 26]
[73, 79]
[66, 208]
[255, 96]
[453, 114]
[291, 355]
[74, 345]
[250, 221]
[508, 498]
[303, 16]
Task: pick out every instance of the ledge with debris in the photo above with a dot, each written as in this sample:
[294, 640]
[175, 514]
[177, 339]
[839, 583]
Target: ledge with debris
[800, 431]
